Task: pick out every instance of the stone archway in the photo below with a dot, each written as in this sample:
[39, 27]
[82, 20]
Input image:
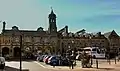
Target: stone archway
[5, 51]
[16, 52]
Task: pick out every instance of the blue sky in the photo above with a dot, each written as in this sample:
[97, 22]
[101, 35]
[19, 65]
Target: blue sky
[92, 15]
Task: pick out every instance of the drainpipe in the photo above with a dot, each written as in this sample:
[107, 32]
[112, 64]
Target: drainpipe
[0, 47]
[20, 53]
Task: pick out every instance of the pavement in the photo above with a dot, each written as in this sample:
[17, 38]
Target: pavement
[26, 65]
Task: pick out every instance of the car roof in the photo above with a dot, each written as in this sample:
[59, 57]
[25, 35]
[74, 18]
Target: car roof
[2, 58]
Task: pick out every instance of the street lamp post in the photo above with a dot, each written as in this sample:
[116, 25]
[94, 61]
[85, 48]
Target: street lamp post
[91, 52]
[115, 56]
[0, 47]
[109, 56]
[74, 53]
[43, 45]
[12, 40]
[68, 55]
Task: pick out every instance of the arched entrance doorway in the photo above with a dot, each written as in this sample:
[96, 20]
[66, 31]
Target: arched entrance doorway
[5, 51]
[16, 52]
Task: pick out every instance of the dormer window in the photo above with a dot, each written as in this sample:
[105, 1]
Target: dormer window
[14, 28]
[40, 29]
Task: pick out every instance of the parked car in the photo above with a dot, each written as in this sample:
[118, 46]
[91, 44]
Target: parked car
[46, 59]
[49, 60]
[35, 56]
[40, 58]
[7, 56]
[54, 61]
[2, 62]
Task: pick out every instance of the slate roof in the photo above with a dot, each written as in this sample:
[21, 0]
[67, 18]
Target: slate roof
[112, 33]
[25, 32]
[107, 34]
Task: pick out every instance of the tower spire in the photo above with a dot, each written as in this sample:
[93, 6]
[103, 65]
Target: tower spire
[52, 11]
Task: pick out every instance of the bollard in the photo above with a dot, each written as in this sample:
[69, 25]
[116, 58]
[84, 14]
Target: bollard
[53, 66]
[118, 59]
[91, 61]
[115, 60]
[97, 63]
[72, 64]
[69, 65]
[109, 62]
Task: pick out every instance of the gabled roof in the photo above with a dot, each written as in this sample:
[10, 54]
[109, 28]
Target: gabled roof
[108, 34]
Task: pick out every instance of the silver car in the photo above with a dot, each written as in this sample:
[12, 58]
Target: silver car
[2, 62]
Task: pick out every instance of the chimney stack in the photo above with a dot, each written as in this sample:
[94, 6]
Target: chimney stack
[4, 23]
[66, 29]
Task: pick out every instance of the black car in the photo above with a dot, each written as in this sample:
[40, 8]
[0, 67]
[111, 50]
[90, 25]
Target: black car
[54, 61]
[59, 60]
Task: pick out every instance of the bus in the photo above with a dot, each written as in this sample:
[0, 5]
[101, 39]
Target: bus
[95, 52]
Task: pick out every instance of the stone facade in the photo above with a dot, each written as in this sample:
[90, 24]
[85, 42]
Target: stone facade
[114, 41]
[32, 40]
[81, 41]
[53, 41]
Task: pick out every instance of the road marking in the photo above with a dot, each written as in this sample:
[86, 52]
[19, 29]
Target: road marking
[48, 67]
[39, 64]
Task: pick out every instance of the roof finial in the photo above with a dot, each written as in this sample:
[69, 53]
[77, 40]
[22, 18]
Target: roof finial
[51, 10]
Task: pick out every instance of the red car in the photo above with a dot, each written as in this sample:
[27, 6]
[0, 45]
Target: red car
[46, 59]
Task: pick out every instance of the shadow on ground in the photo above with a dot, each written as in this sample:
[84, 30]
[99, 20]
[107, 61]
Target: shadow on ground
[7, 68]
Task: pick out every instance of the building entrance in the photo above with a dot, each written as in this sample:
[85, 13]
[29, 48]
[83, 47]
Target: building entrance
[16, 52]
[5, 51]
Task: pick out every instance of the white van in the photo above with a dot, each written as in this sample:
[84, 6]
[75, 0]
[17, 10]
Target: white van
[95, 52]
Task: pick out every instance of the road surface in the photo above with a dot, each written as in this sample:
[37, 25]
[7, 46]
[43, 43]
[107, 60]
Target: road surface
[33, 66]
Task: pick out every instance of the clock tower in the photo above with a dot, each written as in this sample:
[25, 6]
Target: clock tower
[52, 22]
